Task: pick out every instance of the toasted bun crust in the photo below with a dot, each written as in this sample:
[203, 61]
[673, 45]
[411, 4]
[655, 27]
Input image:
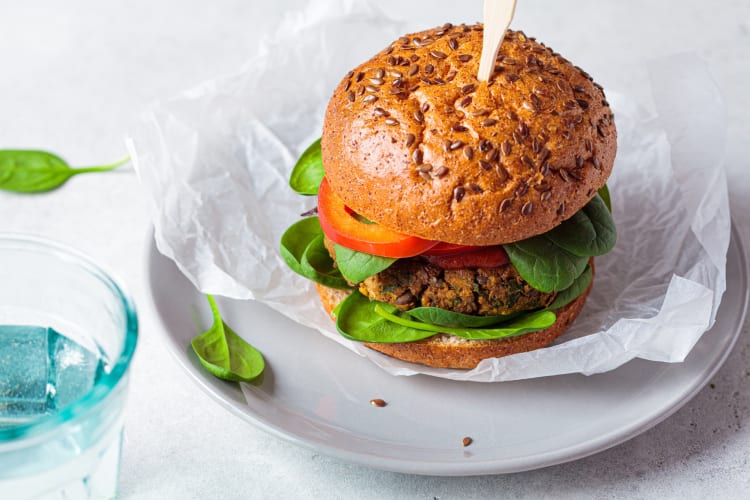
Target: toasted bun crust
[413, 141]
[448, 351]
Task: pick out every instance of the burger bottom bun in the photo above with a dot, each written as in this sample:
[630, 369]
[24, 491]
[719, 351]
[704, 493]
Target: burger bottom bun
[448, 351]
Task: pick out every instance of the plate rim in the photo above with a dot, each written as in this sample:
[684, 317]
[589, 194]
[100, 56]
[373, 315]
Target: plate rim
[469, 468]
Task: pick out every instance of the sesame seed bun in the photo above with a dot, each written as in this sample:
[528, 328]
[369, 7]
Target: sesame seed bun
[448, 351]
[412, 141]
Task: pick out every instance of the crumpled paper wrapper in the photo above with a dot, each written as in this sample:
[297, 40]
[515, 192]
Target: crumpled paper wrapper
[214, 163]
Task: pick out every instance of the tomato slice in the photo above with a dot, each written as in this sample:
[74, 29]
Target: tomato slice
[493, 256]
[343, 226]
[449, 249]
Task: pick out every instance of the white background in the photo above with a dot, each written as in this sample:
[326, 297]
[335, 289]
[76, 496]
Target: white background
[74, 76]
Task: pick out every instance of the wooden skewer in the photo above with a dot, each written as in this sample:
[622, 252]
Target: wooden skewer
[497, 17]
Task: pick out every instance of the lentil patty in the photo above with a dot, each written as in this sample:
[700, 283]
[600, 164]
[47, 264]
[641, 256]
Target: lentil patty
[414, 282]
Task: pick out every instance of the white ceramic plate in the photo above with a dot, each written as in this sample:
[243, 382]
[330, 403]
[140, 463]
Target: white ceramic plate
[316, 393]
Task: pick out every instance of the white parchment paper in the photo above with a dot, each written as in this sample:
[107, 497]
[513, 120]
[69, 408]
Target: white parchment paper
[214, 163]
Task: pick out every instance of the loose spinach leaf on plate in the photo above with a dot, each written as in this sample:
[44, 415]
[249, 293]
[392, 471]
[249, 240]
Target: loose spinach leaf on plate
[571, 293]
[224, 353]
[358, 266]
[303, 251]
[544, 265]
[438, 316]
[308, 171]
[32, 171]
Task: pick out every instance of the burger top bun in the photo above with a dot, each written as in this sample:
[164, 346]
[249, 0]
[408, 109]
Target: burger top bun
[413, 141]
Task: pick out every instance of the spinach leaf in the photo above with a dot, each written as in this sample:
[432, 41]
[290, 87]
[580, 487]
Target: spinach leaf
[358, 266]
[318, 265]
[296, 239]
[575, 234]
[589, 232]
[367, 321]
[303, 251]
[31, 171]
[571, 293]
[437, 316]
[525, 323]
[224, 353]
[308, 171]
[356, 320]
[604, 193]
[606, 232]
[552, 261]
[544, 265]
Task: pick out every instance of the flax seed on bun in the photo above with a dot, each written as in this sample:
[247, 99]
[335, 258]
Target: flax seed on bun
[414, 142]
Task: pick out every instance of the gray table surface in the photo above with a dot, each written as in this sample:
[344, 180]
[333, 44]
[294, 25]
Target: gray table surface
[74, 76]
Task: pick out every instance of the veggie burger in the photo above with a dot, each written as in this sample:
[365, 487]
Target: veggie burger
[457, 220]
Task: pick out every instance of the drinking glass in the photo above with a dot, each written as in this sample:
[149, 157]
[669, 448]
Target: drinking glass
[67, 335]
